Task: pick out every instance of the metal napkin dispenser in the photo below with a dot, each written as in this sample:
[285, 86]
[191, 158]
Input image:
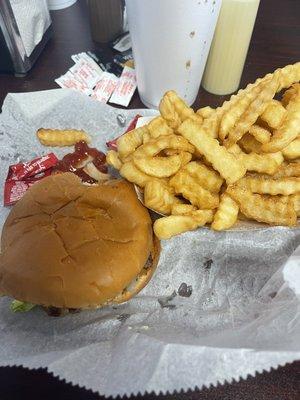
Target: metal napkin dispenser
[25, 28]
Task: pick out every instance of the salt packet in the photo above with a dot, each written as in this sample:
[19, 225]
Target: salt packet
[105, 82]
[105, 87]
[125, 88]
[98, 78]
[68, 81]
[85, 57]
[85, 73]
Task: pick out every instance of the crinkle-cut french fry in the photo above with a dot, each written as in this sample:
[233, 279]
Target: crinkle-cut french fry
[167, 227]
[60, 138]
[262, 135]
[183, 110]
[242, 217]
[198, 215]
[226, 215]
[229, 167]
[197, 118]
[263, 93]
[290, 93]
[170, 152]
[159, 127]
[226, 107]
[288, 75]
[291, 169]
[273, 115]
[289, 130]
[128, 142]
[278, 157]
[168, 111]
[233, 115]
[155, 146]
[235, 149]
[285, 77]
[112, 158]
[263, 163]
[250, 144]
[292, 151]
[210, 125]
[146, 137]
[264, 185]
[182, 209]
[162, 167]
[295, 198]
[205, 112]
[274, 210]
[159, 196]
[190, 189]
[133, 174]
[174, 110]
[205, 176]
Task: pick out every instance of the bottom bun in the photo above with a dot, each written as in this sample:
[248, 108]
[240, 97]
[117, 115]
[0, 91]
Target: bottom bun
[143, 277]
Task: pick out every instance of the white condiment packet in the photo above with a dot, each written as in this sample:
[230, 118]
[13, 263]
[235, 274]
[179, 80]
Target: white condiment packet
[105, 87]
[125, 88]
[75, 57]
[68, 81]
[80, 56]
[86, 73]
[85, 57]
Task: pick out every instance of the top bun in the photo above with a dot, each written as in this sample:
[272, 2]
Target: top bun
[69, 245]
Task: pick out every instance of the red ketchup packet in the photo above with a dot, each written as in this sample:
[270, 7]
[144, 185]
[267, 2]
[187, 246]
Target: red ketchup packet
[112, 145]
[23, 175]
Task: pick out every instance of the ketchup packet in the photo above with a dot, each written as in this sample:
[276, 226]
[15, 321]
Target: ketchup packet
[23, 175]
[112, 144]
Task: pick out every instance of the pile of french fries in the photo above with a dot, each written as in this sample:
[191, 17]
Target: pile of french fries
[215, 166]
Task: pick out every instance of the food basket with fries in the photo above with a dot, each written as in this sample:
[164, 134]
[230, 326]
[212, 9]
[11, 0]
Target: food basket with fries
[224, 301]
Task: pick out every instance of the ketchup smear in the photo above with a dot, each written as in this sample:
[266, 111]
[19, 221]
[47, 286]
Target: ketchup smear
[70, 161]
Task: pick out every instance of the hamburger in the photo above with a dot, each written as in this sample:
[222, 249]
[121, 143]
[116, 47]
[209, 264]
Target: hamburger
[67, 245]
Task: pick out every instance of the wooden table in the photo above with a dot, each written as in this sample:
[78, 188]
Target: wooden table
[275, 43]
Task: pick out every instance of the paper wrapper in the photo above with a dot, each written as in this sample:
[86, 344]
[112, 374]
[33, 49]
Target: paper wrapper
[242, 317]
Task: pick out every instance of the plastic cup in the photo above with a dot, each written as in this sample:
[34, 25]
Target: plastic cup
[170, 43]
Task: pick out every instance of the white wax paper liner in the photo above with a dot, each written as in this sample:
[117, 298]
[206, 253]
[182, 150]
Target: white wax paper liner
[242, 317]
